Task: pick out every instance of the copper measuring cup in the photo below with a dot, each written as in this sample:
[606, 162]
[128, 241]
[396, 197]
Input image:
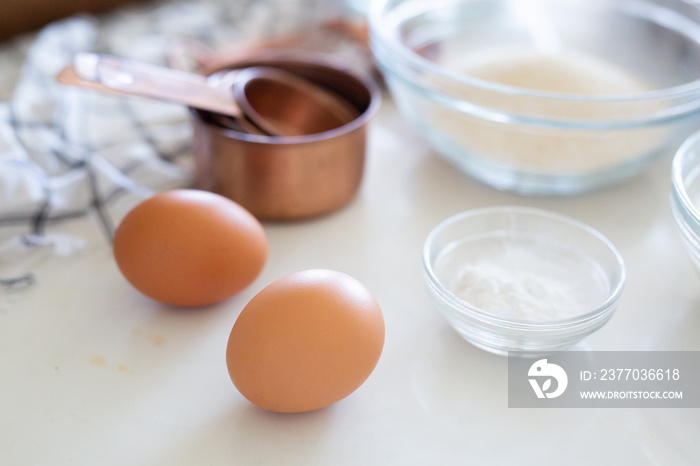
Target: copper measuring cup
[295, 177]
[241, 95]
[285, 177]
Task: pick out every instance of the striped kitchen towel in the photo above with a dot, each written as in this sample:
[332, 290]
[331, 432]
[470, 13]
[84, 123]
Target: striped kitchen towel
[67, 153]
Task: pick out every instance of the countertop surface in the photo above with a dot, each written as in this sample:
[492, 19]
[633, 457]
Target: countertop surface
[94, 373]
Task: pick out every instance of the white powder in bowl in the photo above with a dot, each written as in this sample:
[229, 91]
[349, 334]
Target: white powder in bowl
[540, 149]
[518, 278]
[568, 73]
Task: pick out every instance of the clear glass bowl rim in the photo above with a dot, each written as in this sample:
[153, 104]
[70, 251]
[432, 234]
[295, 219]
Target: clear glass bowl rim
[690, 146]
[684, 92]
[464, 308]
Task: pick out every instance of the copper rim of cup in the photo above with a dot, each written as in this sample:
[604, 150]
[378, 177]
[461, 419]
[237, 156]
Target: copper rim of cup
[297, 58]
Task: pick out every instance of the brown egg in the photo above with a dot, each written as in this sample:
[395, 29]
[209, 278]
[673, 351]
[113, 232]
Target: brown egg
[190, 248]
[305, 341]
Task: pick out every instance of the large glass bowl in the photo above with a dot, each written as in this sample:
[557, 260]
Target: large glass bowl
[685, 195]
[626, 87]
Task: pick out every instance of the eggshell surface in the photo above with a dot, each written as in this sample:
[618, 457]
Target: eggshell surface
[305, 341]
[189, 247]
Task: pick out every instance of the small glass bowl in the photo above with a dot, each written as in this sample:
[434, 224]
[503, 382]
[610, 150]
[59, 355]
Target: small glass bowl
[583, 260]
[534, 140]
[685, 195]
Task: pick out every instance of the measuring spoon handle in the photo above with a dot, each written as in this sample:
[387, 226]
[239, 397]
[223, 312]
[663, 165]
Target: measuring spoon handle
[156, 82]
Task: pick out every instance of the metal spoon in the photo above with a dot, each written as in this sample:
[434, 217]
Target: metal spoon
[275, 102]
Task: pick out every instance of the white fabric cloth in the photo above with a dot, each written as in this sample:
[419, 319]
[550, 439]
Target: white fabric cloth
[67, 152]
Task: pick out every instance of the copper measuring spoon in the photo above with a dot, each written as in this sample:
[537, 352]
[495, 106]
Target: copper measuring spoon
[259, 100]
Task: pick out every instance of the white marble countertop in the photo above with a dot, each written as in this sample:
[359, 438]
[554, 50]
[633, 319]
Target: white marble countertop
[95, 373]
